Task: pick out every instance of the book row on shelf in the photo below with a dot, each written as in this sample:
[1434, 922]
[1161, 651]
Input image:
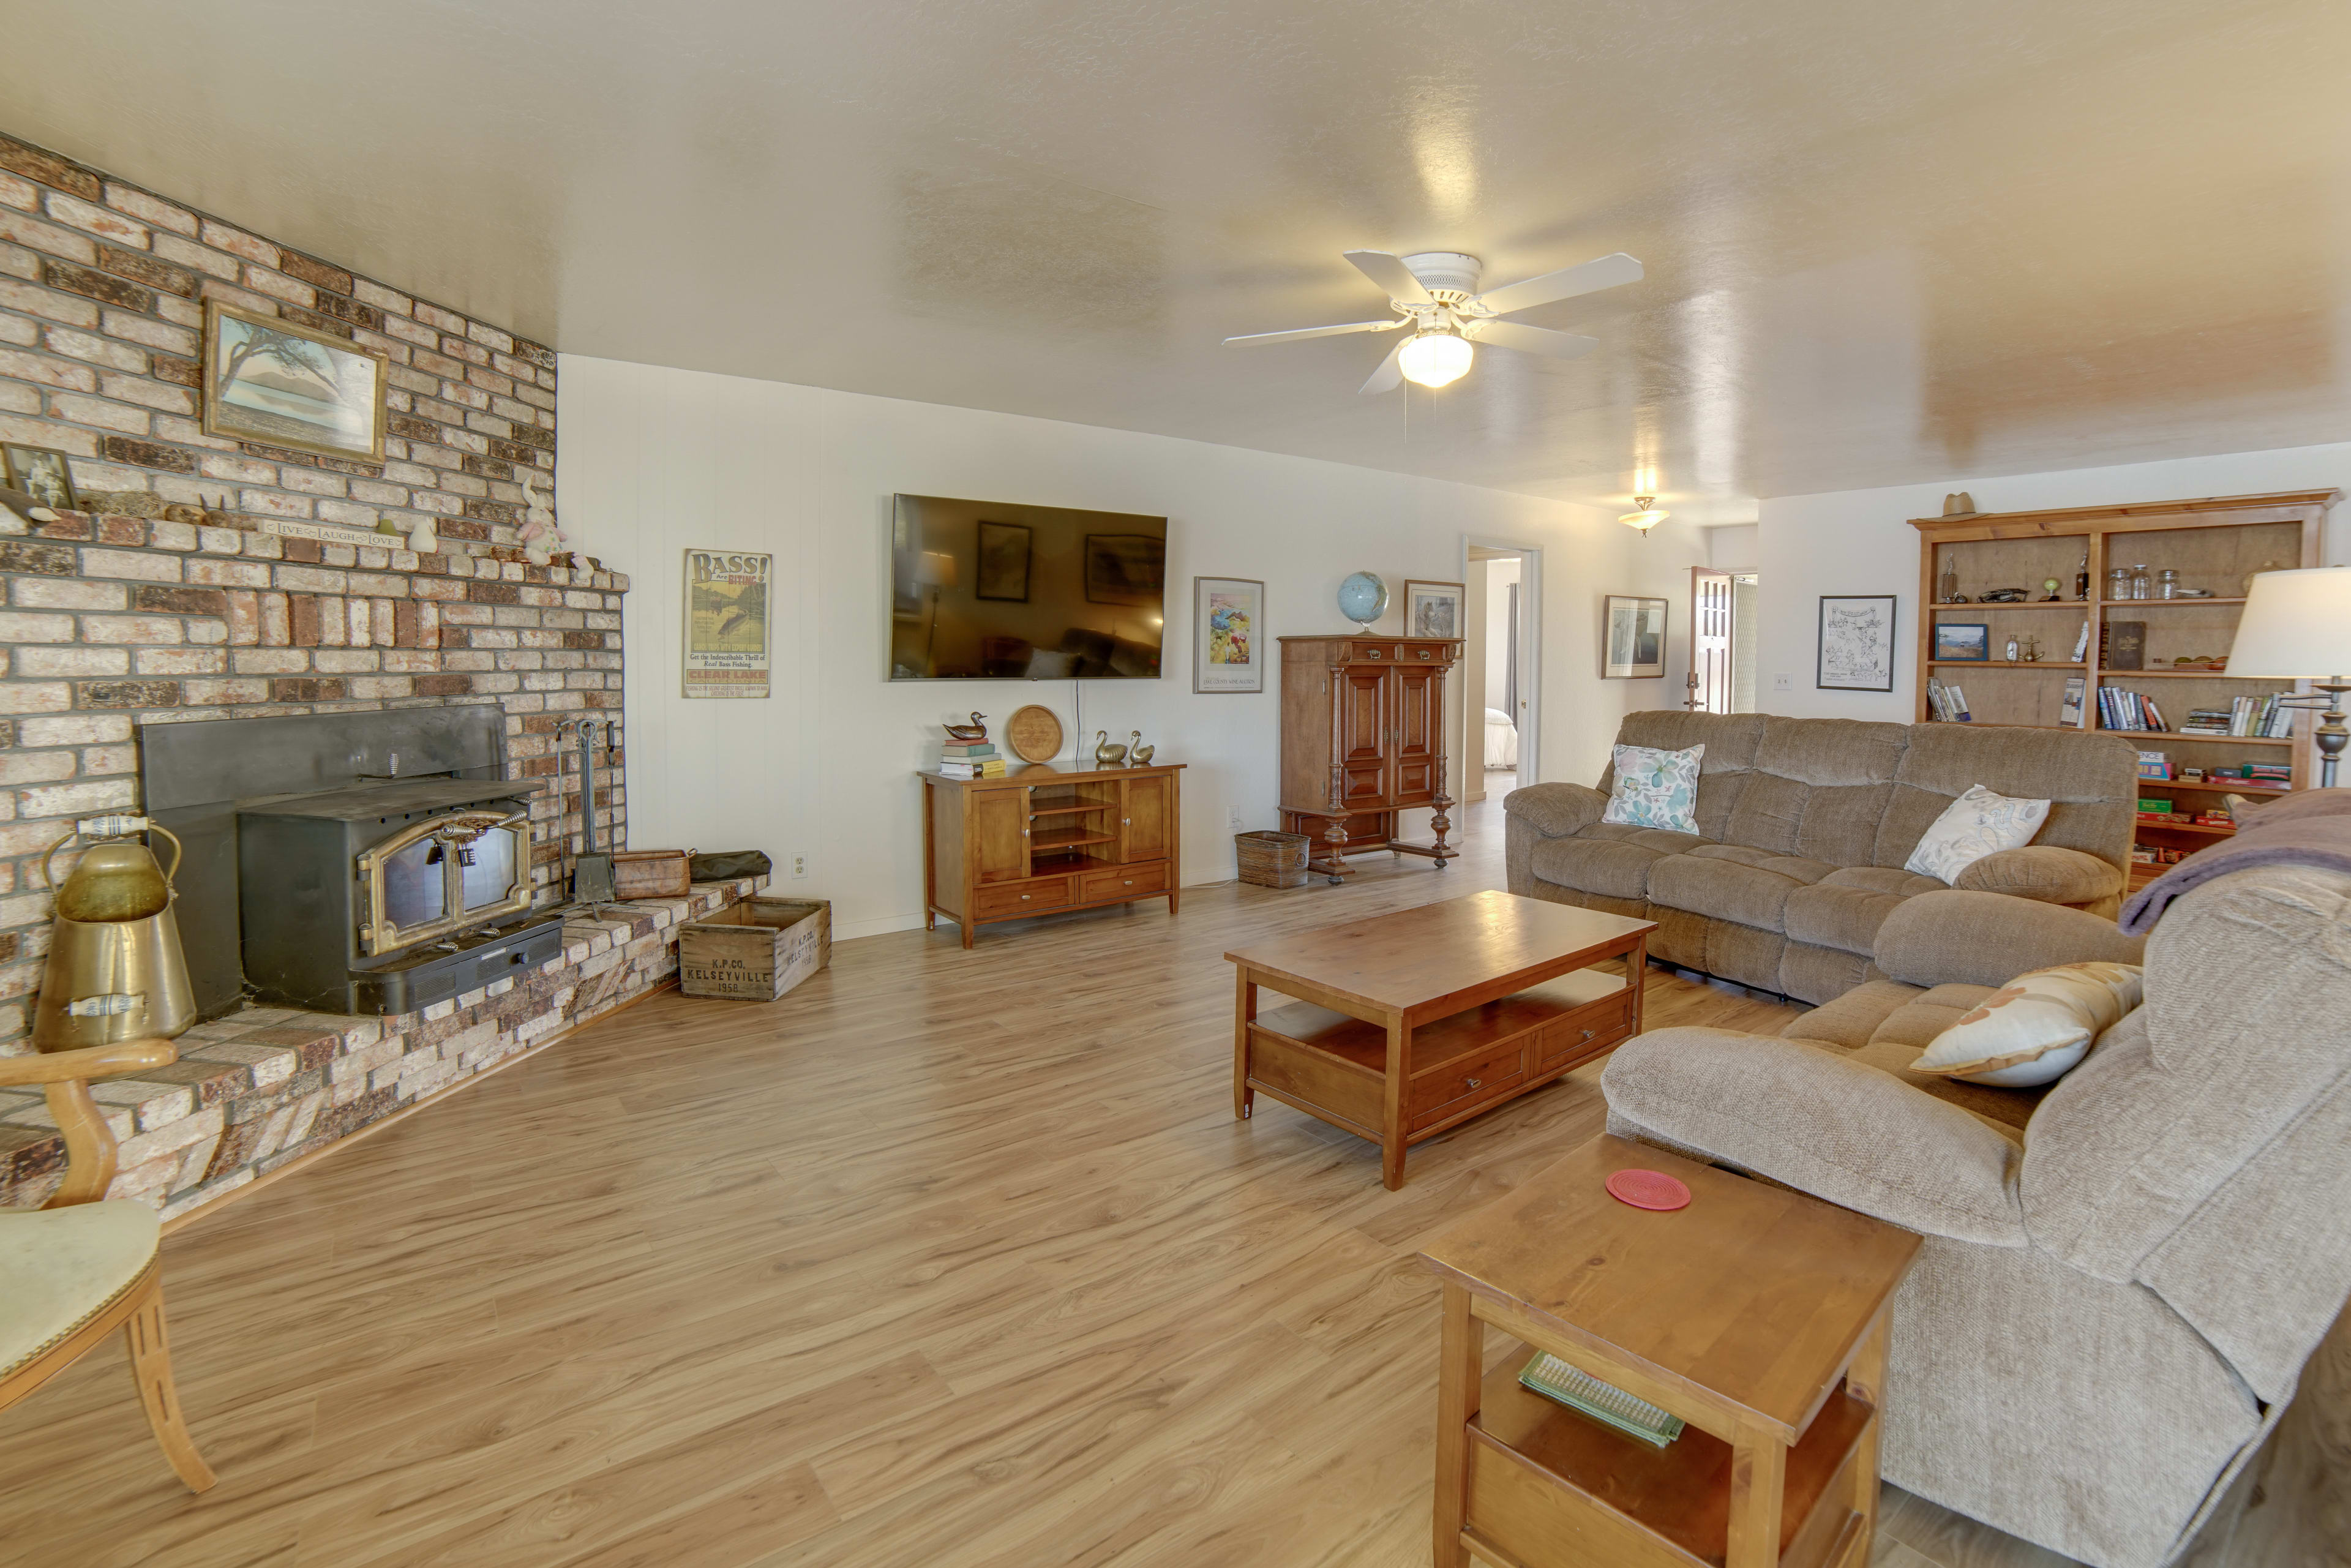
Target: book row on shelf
[2262, 715]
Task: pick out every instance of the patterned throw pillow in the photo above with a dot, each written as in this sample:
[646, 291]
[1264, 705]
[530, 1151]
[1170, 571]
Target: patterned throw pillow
[1655, 788]
[2035, 1028]
[1976, 824]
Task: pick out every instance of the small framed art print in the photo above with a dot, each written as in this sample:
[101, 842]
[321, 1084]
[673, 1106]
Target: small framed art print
[1962, 642]
[1636, 630]
[1856, 650]
[1432, 609]
[1229, 649]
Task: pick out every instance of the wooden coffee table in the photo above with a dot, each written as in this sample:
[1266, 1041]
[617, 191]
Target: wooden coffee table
[1755, 1314]
[1410, 1023]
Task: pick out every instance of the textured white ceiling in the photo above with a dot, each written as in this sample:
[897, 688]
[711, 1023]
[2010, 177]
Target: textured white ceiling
[1885, 242]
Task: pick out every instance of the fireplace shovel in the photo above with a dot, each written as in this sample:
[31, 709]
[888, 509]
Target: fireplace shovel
[591, 872]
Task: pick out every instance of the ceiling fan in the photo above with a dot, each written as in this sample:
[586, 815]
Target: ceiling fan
[1435, 293]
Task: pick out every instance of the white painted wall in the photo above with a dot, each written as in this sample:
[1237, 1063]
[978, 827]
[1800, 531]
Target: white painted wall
[655, 460]
[1860, 542]
[1732, 547]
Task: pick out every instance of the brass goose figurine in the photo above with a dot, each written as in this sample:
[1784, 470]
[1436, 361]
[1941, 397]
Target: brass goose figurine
[1137, 754]
[1108, 753]
[976, 730]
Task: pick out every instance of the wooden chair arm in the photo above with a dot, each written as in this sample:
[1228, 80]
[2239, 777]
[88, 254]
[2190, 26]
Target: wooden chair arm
[90, 1061]
[64, 1076]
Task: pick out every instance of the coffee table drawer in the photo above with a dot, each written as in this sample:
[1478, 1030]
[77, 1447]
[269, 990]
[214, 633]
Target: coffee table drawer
[1123, 881]
[1022, 897]
[1440, 1094]
[1586, 1029]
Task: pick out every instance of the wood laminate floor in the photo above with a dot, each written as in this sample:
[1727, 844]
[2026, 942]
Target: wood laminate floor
[948, 1260]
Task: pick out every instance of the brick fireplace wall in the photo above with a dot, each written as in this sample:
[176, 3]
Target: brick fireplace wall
[147, 610]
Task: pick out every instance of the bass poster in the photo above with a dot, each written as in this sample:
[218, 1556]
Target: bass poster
[727, 612]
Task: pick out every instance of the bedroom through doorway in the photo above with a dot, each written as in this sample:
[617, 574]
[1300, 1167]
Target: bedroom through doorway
[1498, 708]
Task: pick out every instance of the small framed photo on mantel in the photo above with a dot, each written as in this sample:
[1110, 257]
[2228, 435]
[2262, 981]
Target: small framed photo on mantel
[1229, 648]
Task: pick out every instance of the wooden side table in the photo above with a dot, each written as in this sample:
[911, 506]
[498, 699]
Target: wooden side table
[1755, 1314]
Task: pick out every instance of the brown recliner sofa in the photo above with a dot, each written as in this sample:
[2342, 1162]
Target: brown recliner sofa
[1803, 825]
[2125, 1274]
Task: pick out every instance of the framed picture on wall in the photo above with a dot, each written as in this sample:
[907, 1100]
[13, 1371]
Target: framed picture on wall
[1966, 642]
[1124, 569]
[726, 620]
[1003, 562]
[1636, 633]
[1228, 645]
[272, 381]
[1432, 609]
[1856, 652]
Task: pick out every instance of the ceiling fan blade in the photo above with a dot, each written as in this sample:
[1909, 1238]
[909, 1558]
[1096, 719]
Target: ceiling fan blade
[1303, 333]
[1608, 272]
[1531, 340]
[1389, 376]
[1395, 278]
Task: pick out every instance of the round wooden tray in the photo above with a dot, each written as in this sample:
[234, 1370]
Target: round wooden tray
[1034, 734]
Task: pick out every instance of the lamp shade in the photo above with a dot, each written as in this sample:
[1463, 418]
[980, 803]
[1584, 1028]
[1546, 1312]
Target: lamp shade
[2297, 625]
[935, 569]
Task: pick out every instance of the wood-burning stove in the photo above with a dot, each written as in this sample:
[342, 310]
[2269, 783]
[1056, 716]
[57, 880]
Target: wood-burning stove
[353, 862]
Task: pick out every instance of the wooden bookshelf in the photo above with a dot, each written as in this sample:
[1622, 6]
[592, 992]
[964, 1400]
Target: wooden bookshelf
[2215, 543]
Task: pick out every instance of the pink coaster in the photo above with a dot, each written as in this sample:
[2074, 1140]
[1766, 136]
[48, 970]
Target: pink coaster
[1648, 1189]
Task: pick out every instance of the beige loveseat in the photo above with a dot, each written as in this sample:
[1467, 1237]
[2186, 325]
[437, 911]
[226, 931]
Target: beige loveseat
[1803, 825]
[2116, 1298]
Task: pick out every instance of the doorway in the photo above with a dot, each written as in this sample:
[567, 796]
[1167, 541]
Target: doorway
[1722, 641]
[1496, 744]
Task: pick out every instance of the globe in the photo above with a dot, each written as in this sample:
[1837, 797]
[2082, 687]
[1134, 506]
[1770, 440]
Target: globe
[1362, 598]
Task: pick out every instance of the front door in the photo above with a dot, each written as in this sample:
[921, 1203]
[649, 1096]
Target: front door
[1710, 615]
[1419, 765]
[1145, 827]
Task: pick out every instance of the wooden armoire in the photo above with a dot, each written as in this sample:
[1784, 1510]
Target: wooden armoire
[1363, 737]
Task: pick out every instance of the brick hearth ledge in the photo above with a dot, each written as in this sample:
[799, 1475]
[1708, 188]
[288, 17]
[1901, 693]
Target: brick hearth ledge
[260, 1088]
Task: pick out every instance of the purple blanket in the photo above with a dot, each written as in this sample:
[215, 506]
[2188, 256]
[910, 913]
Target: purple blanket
[2309, 826]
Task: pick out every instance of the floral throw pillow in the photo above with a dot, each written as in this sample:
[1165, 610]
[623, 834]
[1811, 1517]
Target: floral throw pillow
[1655, 788]
[1976, 824]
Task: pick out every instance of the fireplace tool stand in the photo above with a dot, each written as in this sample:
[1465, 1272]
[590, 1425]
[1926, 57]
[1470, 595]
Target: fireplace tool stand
[591, 872]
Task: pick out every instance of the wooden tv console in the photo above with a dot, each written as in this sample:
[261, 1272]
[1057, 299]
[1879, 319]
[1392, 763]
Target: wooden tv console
[1006, 849]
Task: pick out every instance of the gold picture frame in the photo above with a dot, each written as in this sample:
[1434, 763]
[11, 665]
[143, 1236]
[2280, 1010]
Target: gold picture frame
[272, 382]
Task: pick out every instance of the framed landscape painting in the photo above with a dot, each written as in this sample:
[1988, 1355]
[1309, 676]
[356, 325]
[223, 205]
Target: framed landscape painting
[285, 385]
[1856, 650]
[1635, 629]
[1229, 649]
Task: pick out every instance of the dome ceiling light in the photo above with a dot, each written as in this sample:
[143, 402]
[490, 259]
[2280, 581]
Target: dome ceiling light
[1645, 517]
[1435, 292]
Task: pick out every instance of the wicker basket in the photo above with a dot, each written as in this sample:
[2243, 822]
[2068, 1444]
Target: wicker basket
[1273, 859]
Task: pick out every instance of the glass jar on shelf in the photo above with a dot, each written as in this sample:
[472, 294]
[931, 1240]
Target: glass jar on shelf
[2167, 584]
[2118, 582]
[2140, 583]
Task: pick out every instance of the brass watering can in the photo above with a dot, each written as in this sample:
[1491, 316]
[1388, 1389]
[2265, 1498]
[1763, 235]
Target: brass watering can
[115, 970]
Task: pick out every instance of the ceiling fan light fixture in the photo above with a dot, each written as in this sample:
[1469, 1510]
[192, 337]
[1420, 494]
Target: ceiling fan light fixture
[1645, 517]
[1435, 359]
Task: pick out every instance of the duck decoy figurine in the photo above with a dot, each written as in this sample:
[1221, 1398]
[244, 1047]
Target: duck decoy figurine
[1137, 754]
[976, 730]
[1107, 753]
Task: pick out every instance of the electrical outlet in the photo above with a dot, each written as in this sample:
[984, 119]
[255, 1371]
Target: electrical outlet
[799, 865]
[1783, 682]
[1233, 819]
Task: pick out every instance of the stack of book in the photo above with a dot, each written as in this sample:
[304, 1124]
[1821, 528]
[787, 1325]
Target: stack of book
[1947, 703]
[971, 759]
[2119, 709]
[2205, 721]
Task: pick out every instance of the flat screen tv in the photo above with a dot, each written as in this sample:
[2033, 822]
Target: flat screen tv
[988, 591]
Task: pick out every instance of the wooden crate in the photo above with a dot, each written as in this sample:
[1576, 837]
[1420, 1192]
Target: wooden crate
[756, 950]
